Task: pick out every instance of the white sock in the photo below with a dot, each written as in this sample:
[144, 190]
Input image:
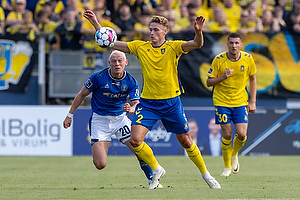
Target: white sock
[157, 170]
[206, 175]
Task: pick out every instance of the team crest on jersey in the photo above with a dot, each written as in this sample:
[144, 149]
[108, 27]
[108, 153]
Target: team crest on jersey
[124, 88]
[88, 83]
[163, 50]
[210, 70]
[242, 68]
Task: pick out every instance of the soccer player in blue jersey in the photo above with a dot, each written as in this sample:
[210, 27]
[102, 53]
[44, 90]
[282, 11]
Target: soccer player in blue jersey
[110, 89]
[161, 89]
[229, 74]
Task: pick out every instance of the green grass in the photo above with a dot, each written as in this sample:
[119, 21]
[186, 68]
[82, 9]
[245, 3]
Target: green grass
[274, 177]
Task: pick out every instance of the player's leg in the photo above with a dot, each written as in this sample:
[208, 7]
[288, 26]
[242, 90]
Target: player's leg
[223, 116]
[195, 155]
[100, 139]
[176, 122]
[144, 166]
[240, 137]
[143, 151]
[226, 148]
[143, 120]
[240, 120]
[99, 152]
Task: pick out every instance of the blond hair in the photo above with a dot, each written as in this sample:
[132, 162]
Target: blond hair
[160, 20]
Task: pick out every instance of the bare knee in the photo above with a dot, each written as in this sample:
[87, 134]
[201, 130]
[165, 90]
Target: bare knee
[185, 140]
[134, 143]
[99, 165]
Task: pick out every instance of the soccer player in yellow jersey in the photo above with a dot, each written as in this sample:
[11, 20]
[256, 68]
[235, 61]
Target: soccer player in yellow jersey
[160, 95]
[229, 74]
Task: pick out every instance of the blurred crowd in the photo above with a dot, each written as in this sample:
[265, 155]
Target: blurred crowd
[62, 21]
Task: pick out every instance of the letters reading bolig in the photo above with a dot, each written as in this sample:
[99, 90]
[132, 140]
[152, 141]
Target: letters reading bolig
[17, 128]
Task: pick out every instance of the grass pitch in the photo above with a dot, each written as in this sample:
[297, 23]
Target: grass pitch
[274, 177]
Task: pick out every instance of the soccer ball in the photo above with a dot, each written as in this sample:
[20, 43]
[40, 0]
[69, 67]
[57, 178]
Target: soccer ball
[106, 37]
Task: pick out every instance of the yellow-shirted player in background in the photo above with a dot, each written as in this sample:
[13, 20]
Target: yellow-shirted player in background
[160, 95]
[229, 75]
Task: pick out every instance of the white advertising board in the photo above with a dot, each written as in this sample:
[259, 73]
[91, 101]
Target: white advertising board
[34, 131]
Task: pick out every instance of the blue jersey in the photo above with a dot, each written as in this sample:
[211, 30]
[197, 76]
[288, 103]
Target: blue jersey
[110, 94]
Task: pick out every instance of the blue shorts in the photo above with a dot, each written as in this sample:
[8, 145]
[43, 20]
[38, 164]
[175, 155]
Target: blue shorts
[169, 111]
[224, 115]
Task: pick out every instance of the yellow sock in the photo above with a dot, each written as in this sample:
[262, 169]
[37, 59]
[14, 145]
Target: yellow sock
[195, 155]
[237, 145]
[146, 154]
[226, 152]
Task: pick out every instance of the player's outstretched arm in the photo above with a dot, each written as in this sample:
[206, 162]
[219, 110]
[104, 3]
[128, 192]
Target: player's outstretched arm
[75, 104]
[90, 15]
[198, 41]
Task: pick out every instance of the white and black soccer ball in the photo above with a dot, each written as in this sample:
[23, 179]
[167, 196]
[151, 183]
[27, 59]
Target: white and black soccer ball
[106, 37]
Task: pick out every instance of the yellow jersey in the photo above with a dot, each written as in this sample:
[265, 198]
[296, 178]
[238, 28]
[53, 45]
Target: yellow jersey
[159, 68]
[232, 91]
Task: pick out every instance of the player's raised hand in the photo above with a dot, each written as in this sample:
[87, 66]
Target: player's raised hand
[199, 23]
[90, 15]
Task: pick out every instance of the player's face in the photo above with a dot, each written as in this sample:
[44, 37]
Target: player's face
[234, 45]
[117, 64]
[157, 33]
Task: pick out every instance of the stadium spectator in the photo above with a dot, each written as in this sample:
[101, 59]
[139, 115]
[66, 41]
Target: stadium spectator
[139, 7]
[15, 17]
[125, 20]
[7, 6]
[54, 12]
[2, 21]
[170, 6]
[76, 5]
[232, 11]
[296, 7]
[160, 10]
[226, 76]
[47, 27]
[201, 9]
[109, 111]
[158, 100]
[141, 28]
[26, 26]
[220, 24]
[174, 27]
[278, 14]
[294, 27]
[69, 32]
[268, 23]
[246, 26]
[192, 8]
[183, 21]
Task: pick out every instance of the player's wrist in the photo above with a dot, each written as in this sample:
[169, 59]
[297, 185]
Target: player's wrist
[70, 115]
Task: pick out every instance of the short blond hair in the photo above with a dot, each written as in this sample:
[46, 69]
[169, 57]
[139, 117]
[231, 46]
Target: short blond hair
[160, 20]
